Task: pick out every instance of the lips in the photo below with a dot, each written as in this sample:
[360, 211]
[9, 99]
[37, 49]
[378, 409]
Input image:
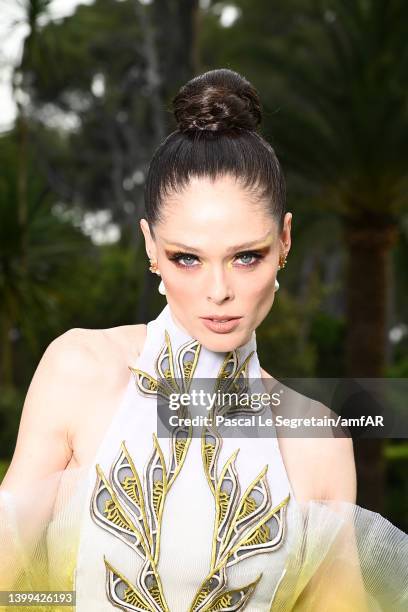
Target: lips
[221, 318]
[221, 325]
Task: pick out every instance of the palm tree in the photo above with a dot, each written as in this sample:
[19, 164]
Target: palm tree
[33, 239]
[342, 127]
[29, 13]
[333, 75]
[30, 287]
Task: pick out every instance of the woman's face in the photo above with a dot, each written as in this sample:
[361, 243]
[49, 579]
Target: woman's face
[218, 255]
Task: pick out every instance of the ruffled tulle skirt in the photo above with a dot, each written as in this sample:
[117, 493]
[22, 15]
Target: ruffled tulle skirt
[342, 557]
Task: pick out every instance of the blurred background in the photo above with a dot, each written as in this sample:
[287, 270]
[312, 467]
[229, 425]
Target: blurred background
[85, 90]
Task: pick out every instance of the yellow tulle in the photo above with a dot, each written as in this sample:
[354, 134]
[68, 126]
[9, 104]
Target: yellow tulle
[341, 557]
[40, 553]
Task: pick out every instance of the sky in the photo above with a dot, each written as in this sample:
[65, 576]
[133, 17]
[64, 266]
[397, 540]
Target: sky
[12, 34]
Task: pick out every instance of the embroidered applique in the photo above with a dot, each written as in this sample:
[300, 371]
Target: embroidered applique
[244, 525]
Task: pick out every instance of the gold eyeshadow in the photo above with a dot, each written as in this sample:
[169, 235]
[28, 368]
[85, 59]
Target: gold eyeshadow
[178, 247]
[259, 254]
[262, 249]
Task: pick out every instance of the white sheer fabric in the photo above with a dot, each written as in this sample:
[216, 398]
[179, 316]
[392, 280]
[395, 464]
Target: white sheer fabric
[198, 522]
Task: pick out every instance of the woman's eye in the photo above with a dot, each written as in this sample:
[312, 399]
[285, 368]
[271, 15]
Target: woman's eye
[184, 260]
[245, 257]
[255, 257]
[187, 260]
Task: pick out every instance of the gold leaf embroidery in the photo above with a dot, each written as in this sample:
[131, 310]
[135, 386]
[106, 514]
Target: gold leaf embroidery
[249, 505]
[148, 601]
[233, 600]
[242, 525]
[128, 509]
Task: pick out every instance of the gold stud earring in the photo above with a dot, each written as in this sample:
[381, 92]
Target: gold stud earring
[153, 267]
[282, 261]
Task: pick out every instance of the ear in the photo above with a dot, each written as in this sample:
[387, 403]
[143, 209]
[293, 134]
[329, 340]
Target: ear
[285, 235]
[149, 240]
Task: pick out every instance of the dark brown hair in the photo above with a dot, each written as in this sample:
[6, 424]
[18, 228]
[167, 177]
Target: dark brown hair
[217, 114]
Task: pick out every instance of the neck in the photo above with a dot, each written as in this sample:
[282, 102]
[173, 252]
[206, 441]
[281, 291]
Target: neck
[177, 322]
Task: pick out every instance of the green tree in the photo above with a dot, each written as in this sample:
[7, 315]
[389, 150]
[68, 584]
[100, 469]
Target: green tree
[31, 294]
[333, 75]
[118, 89]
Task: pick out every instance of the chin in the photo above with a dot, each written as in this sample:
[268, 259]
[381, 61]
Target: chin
[222, 343]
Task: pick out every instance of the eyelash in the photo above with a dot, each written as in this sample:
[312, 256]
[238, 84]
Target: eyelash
[176, 257]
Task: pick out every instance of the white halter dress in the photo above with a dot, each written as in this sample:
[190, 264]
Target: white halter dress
[191, 521]
[198, 519]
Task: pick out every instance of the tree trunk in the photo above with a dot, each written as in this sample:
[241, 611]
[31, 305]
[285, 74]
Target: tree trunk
[170, 60]
[369, 240]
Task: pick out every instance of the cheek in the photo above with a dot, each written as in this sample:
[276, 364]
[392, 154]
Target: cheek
[258, 286]
[178, 282]
[258, 294]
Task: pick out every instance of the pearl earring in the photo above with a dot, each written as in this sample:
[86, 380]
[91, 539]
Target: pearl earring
[282, 264]
[162, 288]
[154, 268]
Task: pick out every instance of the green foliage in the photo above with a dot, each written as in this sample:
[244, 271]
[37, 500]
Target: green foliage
[3, 469]
[282, 351]
[105, 288]
[115, 136]
[327, 334]
[34, 253]
[399, 369]
[11, 404]
[396, 453]
[75, 48]
[333, 78]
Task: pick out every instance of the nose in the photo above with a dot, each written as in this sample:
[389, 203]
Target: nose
[219, 288]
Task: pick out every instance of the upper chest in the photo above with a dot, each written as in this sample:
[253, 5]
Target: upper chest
[121, 347]
[118, 349]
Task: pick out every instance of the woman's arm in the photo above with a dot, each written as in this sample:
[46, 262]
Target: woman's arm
[338, 581]
[323, 469]
[62, 384]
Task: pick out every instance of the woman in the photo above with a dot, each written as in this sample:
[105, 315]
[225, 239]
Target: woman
[205, 519]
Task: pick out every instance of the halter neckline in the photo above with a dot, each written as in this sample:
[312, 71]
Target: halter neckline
[181, 335]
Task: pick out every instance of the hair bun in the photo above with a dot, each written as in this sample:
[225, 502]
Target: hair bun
[217, 101]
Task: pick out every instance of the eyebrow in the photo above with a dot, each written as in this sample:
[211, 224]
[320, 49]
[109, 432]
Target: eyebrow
[238, 247]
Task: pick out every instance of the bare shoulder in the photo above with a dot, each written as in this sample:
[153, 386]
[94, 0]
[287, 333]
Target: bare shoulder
[127, 339]
[93, 351]
[96, 361]
[78, 351]
[76, 368]
[327, 468]
[70, 400]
